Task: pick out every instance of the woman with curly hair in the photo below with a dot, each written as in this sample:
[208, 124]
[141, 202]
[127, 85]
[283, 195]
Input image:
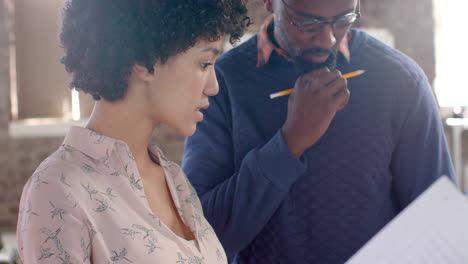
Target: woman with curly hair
[107, 195]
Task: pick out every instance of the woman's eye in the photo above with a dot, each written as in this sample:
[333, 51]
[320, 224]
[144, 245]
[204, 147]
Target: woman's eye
[205, 65]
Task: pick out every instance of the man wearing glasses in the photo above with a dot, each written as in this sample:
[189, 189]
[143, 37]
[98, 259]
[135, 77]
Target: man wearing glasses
[311, 177]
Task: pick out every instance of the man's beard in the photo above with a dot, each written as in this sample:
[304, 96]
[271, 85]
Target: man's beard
[302, 65]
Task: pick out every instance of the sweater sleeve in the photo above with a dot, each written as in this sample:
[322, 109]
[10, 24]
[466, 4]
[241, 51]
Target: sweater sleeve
[421, 155]
[237, 202]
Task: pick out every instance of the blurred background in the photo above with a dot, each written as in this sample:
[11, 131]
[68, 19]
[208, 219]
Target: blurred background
[37, 108]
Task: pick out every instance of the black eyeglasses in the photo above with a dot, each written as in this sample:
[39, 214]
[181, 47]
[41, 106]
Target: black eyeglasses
[314, 25]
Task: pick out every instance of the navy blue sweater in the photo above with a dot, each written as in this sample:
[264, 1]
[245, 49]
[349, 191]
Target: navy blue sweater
[378, 154]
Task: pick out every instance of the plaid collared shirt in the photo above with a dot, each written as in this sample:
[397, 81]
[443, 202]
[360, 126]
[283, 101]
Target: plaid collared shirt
[266, 47]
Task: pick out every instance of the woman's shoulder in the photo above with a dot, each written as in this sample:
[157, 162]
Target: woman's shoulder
[50, 211]
[52, 182]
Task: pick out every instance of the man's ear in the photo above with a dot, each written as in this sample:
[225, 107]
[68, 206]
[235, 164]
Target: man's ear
[268, 5]
[142, 72]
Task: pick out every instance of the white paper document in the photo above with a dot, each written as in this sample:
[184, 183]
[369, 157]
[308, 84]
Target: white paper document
[431, 230]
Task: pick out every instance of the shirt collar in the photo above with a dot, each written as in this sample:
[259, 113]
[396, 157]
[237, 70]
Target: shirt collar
[89, 142]
[266, 47]
[98, 146]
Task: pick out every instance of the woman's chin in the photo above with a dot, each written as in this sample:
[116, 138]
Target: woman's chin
[186, 131]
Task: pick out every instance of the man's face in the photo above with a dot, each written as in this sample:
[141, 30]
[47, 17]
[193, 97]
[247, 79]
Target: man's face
[316, 46]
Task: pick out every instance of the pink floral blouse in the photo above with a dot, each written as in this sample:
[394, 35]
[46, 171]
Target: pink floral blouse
[85, 204]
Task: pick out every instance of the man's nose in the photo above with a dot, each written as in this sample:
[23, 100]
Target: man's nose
[325, 37]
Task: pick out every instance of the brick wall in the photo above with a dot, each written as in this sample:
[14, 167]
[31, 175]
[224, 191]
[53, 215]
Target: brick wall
[4, 72]
[5, 169]
[412, 24]
[18, 160]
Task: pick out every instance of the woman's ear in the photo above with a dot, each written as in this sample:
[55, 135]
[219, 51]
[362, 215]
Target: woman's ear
[142, 73]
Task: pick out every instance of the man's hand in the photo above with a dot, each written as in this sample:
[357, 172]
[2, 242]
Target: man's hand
[315, 99]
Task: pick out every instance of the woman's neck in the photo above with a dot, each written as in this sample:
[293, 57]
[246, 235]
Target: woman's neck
[120, 121]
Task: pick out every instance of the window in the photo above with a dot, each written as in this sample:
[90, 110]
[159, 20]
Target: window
[39, 93]
[450, 40]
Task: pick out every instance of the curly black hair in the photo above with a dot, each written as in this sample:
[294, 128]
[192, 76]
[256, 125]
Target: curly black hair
[103, 39]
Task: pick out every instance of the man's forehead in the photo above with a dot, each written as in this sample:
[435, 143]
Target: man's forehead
[321, 6]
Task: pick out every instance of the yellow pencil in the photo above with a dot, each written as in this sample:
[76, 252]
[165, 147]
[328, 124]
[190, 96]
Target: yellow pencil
[346, 76]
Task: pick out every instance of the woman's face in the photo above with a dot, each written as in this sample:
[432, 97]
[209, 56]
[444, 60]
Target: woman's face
[181, 87]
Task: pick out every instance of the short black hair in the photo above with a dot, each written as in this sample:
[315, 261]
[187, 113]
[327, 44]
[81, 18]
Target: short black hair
[103, 39]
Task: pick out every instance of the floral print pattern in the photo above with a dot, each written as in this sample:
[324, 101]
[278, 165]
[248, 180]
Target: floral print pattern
[86, 204]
